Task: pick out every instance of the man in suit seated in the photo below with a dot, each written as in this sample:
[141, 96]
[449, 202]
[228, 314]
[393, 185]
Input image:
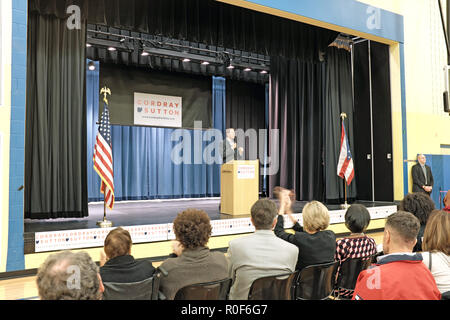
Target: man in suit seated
[260, 254]
[229, 147]
[422, 176]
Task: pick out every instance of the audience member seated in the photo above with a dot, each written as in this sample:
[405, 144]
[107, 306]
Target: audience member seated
[436, 243]
[194, 263]
[447, 202]
[419, 204]
[316, 245]
[357, 244]
[260, 254]
[400, 273]
[69, 276]
[116, 262]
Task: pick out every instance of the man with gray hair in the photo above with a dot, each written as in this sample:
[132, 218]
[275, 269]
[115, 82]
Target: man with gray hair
[422, 176]
[69, 276]
[260, 254]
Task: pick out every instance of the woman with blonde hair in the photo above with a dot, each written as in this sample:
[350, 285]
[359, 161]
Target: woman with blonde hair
[316, 244]
[436, 247]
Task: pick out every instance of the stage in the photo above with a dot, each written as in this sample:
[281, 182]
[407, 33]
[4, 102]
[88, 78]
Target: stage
[150, 221]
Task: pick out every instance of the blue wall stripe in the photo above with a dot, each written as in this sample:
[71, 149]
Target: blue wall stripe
[344, 13]
[404, 132]
[15, 258]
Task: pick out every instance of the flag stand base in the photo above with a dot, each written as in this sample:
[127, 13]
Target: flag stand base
[345, 206]
[104, 223]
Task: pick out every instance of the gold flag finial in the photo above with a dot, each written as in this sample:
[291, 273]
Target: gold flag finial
[105, 91]
[343, 115]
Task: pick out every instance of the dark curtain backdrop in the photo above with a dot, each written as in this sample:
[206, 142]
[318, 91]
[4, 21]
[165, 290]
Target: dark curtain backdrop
[194, 90]
[297, 89]
[246, 110]
[296, 110]
[55, 143]
[338, 99]
[203, 21]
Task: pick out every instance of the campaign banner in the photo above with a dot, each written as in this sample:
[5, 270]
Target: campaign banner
[157, 110]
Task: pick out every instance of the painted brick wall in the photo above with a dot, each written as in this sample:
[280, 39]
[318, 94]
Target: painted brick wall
[15, 259]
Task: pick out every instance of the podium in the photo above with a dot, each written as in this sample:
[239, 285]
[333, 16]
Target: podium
[239, 186]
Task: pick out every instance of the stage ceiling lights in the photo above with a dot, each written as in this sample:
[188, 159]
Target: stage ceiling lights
[173, 49]
[110, 45]
[91, 65]
[184, 56]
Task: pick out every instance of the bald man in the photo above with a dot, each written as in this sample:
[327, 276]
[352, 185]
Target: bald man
[422, 176]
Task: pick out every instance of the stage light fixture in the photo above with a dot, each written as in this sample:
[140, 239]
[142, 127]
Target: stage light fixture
[186, 60]
[263, 72]
[247, 69]
[88, 45]
[112, 49]
[145, 54]
[91, 65]
[205, 63]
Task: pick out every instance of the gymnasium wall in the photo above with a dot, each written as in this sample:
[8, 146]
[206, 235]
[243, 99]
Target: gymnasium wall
[427, 125]
[5, 115]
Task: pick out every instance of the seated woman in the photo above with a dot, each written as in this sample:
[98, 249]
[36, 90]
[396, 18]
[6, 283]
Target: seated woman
[194, 263]
[116, 262]
[316, 245]
[436, 247]
[357, 244]
[420, 205]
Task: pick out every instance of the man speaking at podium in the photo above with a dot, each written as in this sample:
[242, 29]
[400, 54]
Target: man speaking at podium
[229, 147]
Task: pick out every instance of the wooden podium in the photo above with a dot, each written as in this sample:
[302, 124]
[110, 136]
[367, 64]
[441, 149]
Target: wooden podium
[239, 186]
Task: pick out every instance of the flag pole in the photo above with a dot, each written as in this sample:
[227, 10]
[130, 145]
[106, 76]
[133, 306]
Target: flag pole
[105, 223]
[345, 205]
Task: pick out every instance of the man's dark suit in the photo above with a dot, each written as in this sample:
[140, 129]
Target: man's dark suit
[419, 178]
[228, 153]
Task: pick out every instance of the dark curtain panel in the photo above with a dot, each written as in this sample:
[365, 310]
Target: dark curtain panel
[55, 143]
[296, 107]
[203, 21]
[245, 110]
[338, 99]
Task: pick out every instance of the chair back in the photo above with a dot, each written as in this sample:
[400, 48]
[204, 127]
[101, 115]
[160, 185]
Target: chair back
[316, 282]
[277, 287]
[143, 290]
[215, 290]
[350, 270]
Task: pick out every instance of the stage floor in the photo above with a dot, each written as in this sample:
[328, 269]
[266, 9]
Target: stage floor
[151, 221]
[133, 213]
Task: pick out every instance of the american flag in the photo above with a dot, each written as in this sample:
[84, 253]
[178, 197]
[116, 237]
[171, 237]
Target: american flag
[345, 165]
[103, 162]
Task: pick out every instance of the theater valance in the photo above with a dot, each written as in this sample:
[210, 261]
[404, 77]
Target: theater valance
[202, 21]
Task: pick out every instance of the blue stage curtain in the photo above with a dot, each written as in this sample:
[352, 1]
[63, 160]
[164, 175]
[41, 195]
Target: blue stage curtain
[143, 167]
